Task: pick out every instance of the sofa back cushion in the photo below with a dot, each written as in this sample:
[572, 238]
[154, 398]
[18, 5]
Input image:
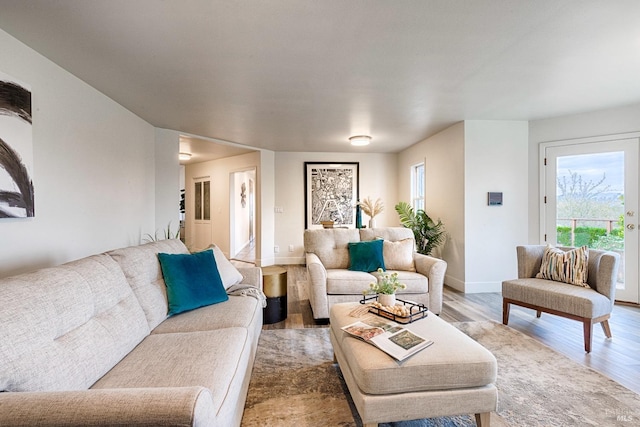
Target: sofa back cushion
[331, 245]
[392, 234]
[63, 328]
[142, 269]
[399, 245]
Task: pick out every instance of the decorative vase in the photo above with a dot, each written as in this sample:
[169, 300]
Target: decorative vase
[372, 223]
[358, 216]
[387, 300]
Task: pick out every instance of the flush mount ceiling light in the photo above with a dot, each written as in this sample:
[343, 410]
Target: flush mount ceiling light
[360, 140]
[184, 156]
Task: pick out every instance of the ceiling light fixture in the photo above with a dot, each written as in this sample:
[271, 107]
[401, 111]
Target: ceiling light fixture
[184, 156]
[360, 140]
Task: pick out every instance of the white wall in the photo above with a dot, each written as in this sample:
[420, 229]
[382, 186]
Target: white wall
[94, 169]
[378, 179]
[495, 161]
[168, 180]
[604, 122]
[443, 154]
[462, 164]
[265, 201]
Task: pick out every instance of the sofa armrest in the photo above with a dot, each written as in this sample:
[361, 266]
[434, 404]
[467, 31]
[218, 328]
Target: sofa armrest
[434, 269]
[251, 276]
[605, 265]
[184, 406]
[529, 260]
[317, 280]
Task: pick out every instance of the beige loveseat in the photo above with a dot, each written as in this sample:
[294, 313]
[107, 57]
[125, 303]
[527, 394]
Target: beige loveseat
[89, 343]
[331, 281]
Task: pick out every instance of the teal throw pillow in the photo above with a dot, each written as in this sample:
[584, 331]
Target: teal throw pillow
[192, 280]
[366, 256]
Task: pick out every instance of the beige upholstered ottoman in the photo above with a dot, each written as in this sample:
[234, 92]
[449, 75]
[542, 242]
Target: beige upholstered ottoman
[454, 376]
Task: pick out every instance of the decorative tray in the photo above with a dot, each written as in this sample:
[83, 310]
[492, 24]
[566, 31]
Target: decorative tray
[416, 310]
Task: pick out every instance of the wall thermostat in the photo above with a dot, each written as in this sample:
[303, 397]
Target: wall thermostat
[494, 199]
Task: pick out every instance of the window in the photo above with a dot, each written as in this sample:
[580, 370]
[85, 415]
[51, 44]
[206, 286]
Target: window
[417, 186]
[202, 200]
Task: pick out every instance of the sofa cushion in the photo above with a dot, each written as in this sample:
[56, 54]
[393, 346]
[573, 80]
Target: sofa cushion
[576, 300]
[62, 328]
[142, 269]
[392, 234]
[192, 280]
[416, 283]
[398, 255]
[366, 256]
[217, 360]
[238, 311]
[228, 272]
[346, 282]
[331, 245]
[565, 266]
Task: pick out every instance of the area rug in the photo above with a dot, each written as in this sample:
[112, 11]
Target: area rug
[295, 382]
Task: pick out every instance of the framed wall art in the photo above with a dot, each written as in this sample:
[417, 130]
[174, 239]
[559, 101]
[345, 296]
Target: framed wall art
[16, 150]
[331, 193]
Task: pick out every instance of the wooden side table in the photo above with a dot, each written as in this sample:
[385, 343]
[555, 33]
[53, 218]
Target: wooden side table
[274, 282]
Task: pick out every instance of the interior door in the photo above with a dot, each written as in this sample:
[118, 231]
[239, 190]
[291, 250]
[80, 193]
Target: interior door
[591, 198]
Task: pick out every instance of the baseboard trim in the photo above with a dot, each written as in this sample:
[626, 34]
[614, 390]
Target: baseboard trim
[472, 287]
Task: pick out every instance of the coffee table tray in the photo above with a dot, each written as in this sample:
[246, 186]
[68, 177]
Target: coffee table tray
[417, 311]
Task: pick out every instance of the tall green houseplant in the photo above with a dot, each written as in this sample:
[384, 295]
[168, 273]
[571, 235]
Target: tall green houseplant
[428, 234]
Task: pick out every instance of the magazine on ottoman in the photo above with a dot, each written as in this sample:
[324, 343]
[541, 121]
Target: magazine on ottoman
[390, 337]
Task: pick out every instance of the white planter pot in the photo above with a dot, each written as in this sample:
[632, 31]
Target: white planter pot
[387, 300]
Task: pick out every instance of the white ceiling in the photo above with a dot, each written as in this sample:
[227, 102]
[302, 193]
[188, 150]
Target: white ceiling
[304, 75]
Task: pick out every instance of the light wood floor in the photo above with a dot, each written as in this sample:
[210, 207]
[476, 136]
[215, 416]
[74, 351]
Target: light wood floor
[618, 358]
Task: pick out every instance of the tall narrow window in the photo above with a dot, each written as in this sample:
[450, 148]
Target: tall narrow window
[417, 186]
[202, 199]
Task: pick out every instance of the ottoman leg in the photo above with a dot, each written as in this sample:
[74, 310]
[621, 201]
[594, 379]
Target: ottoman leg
[370, 425]
[483, 419]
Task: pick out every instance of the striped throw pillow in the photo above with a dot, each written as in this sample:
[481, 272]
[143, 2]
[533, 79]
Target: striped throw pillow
[567, 267]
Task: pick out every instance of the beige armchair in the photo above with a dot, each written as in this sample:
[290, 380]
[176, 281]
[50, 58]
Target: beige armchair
[331, 281]
[589, 305]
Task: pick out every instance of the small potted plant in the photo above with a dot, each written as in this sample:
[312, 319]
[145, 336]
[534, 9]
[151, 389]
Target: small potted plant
[385, 288]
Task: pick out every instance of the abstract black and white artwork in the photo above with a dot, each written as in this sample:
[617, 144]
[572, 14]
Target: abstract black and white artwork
[16, 150]
[331, 193]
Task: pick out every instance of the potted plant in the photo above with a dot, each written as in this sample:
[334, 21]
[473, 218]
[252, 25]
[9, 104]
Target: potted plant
[427, 233]
[385, 288]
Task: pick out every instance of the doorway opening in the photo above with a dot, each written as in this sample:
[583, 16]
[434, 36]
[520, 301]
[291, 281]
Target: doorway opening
[242, 215]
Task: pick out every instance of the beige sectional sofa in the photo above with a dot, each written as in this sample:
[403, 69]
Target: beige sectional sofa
[331, 280]
[89, 343]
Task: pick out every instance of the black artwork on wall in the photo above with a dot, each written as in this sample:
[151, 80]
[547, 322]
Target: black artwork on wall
[16, 186]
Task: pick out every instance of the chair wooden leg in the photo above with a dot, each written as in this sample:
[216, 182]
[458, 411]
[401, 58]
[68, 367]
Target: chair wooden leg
[538, 313]
[483, 419]
[606, 328]
[505, 312]
[588, 327]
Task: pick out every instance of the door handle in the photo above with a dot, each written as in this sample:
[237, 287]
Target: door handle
[631, 226]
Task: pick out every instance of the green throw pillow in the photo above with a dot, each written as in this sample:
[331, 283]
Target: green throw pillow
[366, 256]
[192, 280]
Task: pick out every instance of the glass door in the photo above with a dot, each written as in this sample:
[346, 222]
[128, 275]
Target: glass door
[591, 198]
